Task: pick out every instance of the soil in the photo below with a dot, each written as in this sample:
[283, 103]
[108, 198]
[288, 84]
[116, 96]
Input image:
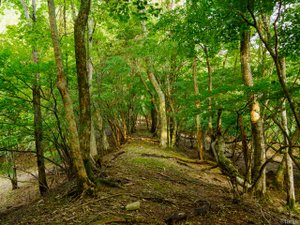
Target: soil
[166, 189]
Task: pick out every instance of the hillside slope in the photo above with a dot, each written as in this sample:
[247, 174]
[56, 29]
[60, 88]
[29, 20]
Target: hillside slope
[166, 188]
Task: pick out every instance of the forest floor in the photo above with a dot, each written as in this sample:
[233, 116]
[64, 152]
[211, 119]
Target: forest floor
[165, 185]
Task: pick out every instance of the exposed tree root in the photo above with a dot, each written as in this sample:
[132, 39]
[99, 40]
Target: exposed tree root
[117, 154]
[181, 159]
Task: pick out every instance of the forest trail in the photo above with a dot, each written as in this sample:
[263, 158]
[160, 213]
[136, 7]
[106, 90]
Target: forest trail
[167, 189]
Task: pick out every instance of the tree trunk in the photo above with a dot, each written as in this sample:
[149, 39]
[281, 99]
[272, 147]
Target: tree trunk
[209, 71]
[246, 151]
[13, 176]
[291, 199]
[161, 108]
[83, 181]
[36, 100]
[224, 163]
[38, 121]
[93, 142]
[256, 120]
[153, 118]
[279, 179]
[38, 130]
[198, 120]
[83, 84]
[101, 140]
[154, 110]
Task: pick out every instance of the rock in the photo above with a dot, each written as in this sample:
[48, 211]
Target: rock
[202, 207]
[133, 206]
[176, 217]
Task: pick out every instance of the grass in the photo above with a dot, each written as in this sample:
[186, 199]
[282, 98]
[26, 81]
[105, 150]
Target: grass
[152, 164]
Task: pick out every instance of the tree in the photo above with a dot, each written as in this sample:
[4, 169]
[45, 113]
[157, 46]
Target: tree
[83, 180]
[256, 118]
[83, 84]
[36, 95]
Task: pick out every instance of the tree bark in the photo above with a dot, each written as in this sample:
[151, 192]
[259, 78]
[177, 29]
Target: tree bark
[198, 119]
[93, 142]
[209, 71]
[83, 182]
[291, 199]
[38, 130]
[13, 176]
[83, 84]
[153, 118]
[246, 151]
[256, 120]
[161, 108]
[38, 121]
[36, 100]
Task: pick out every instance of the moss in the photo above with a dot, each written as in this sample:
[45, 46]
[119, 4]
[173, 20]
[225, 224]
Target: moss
[153, 164]
[159, 187]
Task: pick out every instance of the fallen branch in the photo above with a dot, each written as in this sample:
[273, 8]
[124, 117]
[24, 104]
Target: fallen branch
[116, 155]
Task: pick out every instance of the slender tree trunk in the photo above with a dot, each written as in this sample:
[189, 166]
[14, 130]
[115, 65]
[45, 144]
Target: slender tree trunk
[83, 84]
[291, 199]
[154, 110]
[93, 143]
[246, 151]
[153, 118]
[102, 143]
[198, 120]
[36, 100]
[279, 179]
[209, 71]
[13, 176]
[38, 121]
[172, 121]
[38, 130]
[161, 108]
[256, 120]
[83, 181]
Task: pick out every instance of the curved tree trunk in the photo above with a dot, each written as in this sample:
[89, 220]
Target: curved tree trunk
[83, 181]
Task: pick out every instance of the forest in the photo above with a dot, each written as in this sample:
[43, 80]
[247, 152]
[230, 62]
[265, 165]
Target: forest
[149, 112]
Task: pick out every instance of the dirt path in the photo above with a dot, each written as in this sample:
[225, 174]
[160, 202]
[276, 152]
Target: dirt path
[166, 190]
[25, 193]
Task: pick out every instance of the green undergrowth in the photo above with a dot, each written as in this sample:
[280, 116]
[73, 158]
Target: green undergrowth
[153, 164]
